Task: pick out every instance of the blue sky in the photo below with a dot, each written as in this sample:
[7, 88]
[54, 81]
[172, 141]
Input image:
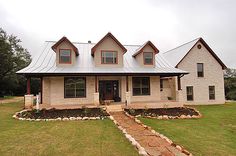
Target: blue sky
[167, 23]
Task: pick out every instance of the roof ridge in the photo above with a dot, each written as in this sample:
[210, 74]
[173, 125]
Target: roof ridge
[95, 43]
[182, 45]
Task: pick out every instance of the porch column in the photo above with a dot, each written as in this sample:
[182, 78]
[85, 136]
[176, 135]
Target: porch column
[127, 83]
[179, 92]
[127, 94]
[96, 94]
[41, 90]
[179, 83]
[96, 83]
[29, 98]
[28, 85]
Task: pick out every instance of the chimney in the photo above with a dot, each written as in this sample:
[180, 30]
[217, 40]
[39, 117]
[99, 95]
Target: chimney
[89, 41]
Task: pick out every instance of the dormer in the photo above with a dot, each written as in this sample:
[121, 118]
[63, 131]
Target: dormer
[66, 52]
[108, 52]
[145, 55]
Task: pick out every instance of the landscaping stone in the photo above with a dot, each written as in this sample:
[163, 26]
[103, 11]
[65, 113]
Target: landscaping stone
[54, 114]
[147, 140]
[85, 118]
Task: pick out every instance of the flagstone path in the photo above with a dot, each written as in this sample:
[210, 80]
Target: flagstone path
[153, 144]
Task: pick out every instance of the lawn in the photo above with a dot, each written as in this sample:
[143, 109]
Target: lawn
[214, 134]
[89, 138]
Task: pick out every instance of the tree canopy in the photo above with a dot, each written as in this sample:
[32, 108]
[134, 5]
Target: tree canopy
[13, 57]
[230, 84]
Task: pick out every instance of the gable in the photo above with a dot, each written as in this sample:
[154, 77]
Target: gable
[177, 55]
[105, 38]
[146, 47]
[64, 43]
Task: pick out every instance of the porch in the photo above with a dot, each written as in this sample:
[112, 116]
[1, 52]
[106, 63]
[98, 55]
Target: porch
[117, 105]
[134, 91]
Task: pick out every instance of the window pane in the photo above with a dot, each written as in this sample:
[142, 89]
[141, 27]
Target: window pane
[145, 91]
[212, 92]
[75, 87]
[109, 57]
[148, 57]
[141, 85]
[200, 70]
[189, 91]
[136, 91]
[65, 56]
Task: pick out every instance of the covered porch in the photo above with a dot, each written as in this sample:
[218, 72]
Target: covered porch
[118, 89]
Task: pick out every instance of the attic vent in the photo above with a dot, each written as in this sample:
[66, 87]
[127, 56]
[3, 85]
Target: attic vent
[89, 41]
[199, 46]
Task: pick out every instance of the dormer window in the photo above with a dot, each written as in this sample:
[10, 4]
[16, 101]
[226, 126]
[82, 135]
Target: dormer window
[109, 57]
[65, 56]
[148, 58]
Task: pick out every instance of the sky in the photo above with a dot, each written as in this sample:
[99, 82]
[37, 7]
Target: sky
[167, 23]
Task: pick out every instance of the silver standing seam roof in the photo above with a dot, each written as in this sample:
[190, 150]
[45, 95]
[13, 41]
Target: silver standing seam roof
[45, 63]
[174, 56]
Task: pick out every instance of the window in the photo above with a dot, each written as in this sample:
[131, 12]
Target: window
[200, 70]
[109, 57]
[75, 87]
[64, 56]
[189, 90]
[148, 58]
[211, 92]
[141, 85]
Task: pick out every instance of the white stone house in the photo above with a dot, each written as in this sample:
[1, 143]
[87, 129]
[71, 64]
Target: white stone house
[205, 82]
[74, 73]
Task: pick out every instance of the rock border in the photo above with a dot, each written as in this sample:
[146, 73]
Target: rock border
[166, 117]
[181, 148]
[140, 149]
[15, 116]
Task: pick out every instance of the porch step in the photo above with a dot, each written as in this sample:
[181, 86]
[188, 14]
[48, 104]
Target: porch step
[114, 108]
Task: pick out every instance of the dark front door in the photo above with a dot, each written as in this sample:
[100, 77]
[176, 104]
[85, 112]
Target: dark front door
[109, 90]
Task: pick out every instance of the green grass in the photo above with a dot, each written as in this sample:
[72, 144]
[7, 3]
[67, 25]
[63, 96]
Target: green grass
[214, 134]
[8, 97]
[100, 137]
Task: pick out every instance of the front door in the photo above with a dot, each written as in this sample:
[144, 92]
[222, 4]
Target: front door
[109, 90]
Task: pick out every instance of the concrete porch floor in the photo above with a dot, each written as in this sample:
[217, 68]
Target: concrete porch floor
[117, 106]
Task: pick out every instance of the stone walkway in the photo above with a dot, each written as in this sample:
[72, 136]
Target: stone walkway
[153, 144]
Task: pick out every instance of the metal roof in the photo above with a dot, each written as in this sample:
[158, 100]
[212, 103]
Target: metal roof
[45, 63]
[175, 55]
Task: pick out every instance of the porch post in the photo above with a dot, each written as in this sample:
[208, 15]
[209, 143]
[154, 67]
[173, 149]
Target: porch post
[96, 83]
[96, 94]
[41, 90]
[127, 84]
[127, 94]
[179, 83]
[29, 98]
[28, 85]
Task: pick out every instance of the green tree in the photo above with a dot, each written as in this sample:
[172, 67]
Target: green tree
[13, 57]
[230, 84]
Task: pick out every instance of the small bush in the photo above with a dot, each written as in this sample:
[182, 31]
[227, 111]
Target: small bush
[132, 111]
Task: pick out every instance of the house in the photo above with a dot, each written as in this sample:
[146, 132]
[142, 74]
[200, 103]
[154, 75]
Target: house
[205, 82]
[74, 73]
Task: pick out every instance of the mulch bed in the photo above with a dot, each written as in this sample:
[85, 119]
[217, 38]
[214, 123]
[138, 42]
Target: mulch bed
[178, 111]
[63, 113]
